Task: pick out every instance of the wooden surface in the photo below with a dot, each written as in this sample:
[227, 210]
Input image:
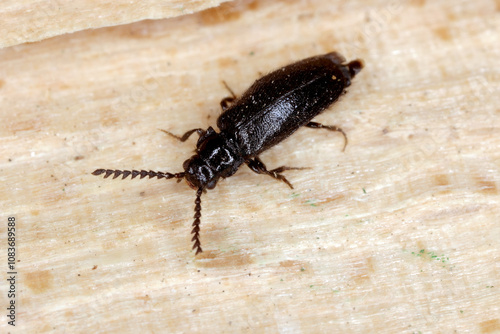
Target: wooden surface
[24, 21]
[399, 234]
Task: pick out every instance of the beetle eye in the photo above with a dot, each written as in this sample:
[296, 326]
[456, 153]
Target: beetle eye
[211, 184]
[186, 163]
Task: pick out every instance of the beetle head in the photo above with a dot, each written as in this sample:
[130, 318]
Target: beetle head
[198, 174]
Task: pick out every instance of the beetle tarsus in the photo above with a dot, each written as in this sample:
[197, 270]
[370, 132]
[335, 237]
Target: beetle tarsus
[185, 136]
[257, 166]
[315, 125]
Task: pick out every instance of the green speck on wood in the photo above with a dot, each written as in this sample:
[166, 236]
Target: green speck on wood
[311, 203]
[431, 256]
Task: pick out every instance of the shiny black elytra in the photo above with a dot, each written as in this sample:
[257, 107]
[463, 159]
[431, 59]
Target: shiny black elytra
[273, 108]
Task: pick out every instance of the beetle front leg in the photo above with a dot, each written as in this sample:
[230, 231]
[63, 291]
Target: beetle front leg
[257, 166]
[185, 136]
[316, 125]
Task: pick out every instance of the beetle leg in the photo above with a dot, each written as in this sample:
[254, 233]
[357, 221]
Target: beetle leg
[185, 136]
[257, 166]
[226, 102]
[316, 125]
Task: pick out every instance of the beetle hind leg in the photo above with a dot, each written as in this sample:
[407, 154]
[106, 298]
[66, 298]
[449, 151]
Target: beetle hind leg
[257, 166]
[227, 102]
[315, 125]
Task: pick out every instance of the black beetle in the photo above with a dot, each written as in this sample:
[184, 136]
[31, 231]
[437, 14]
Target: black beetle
[273, 108]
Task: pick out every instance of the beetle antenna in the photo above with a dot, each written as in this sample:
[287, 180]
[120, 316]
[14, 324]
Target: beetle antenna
[142, 173]
[196, 223]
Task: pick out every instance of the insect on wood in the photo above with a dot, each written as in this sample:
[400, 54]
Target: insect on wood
[273, 108]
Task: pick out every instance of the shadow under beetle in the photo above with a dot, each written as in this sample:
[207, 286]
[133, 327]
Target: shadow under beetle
[273, 108]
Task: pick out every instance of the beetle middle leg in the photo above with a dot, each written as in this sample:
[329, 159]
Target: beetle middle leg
[316, 125]
[185, 136]
[257, 166]
[226, 102]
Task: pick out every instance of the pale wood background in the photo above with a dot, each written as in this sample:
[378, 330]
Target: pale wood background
[24, 21]
[399, 234]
